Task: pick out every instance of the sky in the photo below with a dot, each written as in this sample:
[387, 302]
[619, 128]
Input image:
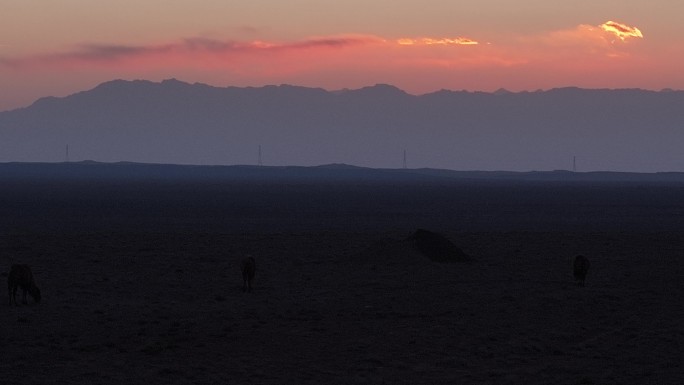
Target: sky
[56, 48]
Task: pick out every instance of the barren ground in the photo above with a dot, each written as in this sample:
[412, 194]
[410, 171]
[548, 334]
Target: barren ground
[141, 284]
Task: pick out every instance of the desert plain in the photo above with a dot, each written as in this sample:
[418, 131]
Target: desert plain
[140, 280]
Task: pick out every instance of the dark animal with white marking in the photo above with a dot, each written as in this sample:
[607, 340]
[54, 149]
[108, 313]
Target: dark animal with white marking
[248, 266]
[580, 268]
[21, 277]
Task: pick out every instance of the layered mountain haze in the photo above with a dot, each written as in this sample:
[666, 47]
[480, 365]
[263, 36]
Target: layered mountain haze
[177, 122]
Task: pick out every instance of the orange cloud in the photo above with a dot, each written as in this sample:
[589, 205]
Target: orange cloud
[576, 45]
[208, 50]
[442, 41]
[586, 34]
[622, 31]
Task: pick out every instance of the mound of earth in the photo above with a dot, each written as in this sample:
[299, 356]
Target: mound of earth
[437, 247]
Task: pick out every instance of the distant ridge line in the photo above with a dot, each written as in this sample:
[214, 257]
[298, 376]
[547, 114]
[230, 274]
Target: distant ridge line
[89, 169]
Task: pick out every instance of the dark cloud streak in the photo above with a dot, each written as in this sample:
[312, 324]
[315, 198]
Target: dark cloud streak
[106, 53]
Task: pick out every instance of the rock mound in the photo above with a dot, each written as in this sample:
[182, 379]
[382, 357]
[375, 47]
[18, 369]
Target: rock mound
[437, 247]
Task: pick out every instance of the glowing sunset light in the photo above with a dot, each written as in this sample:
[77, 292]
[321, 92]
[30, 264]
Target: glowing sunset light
[431, 41]
[419, 47]
[261, 44]
[622, 31]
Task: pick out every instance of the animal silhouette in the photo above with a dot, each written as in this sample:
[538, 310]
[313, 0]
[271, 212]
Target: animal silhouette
[20, 276]
[580, 268]
[248, 267]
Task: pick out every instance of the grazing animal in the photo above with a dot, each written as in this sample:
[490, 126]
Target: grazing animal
[248, 267]
[21, 276]
[580, 268]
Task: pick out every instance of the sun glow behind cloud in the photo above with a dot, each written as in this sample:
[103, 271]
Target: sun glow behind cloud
[622, 31]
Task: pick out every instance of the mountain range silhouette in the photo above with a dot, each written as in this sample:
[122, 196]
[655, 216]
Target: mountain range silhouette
[177, 122]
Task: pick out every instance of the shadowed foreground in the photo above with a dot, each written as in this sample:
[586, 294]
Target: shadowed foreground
[344, 304]
[168, 308]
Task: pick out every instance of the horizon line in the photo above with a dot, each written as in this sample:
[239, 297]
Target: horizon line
[324, 165]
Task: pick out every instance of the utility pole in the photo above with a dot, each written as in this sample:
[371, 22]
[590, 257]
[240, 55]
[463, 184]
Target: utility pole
[574, 164]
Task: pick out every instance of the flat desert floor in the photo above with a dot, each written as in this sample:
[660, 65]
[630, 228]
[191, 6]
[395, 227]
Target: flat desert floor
[141, 284]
